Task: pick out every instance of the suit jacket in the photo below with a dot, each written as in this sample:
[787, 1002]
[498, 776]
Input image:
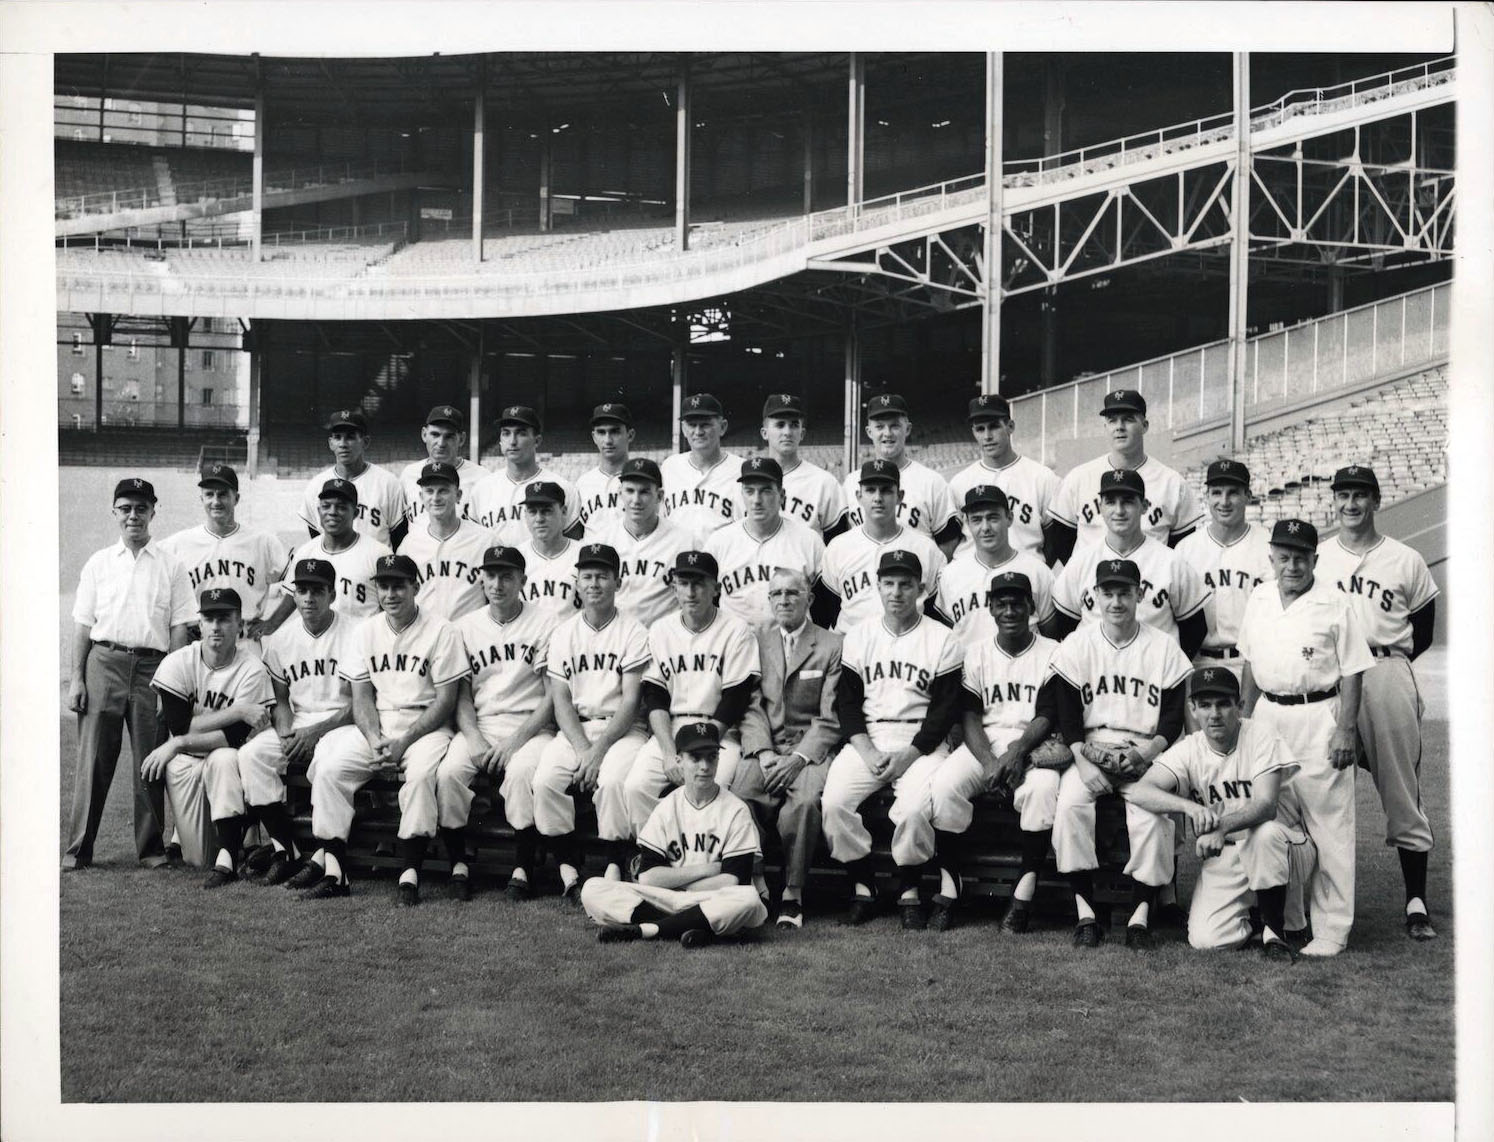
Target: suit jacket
[795, 709]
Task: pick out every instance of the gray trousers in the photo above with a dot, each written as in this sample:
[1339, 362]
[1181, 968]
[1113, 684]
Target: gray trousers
[797, 812]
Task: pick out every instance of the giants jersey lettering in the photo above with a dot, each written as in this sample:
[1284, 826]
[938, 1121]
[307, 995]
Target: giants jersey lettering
[591, 661]
[508, 660]
[406, 666]
[381, 501]
[355, 565]
[308, 664]
[1171, 590]
[498, 504]
[850, 570]
[1008, 684]
[1227, 781]
[695, 666]
[1306, 646]
[701, 501]
[1121, 685]
[645, 563]
[686, 835]
[209, 689]
[897, 670]
[962, 592]
[1232, 571]
[597, 499]
[1029, 486]
[926, 506]
[1387, 583]
[468, 474]
[811, 495]
[747, 563]
[1172, 506]
[450, 569]
[248, 561]
[550, 580]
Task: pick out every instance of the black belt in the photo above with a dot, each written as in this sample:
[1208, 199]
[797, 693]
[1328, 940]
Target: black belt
[894, 721]
[138, 651]
[1387, 652]
[1299, 699]
[1218, 652]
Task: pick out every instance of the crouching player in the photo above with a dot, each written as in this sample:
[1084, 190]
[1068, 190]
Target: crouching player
[1227, 777]
[697, 850]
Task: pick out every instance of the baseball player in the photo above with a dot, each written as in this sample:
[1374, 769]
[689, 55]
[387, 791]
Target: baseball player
[696, 854]
[1120, 693]
[700, 486]
[748, 549]
[1009, 707]
[498, 498]
[704, 667]
[353, 555]
[849, 569]
[445, 437]
[380, 503]
[1392, 588]
[645, 542]
[964, 584]
[898, 696]
[405, 680]
[1305, 654]
[214, 695]
[595, 678]
[447, 549]
[1075, 513]
[1029, 485]
[1233, 558]
[1173, 596]
[599, 489]
[1227, 778]
[810, 493]
[926, 504]
[549, 554]
[504, 718]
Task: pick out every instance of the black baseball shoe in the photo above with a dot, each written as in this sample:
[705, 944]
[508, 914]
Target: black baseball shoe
[1087, 934]
[1170, 915]
[1419, 927]
[518, 891]
[1139, 937]
[863, 910]
[220, 877]
[1018, 913]
[282, 868]
[942, 913]
[173, 855]
[1298, 937]
[790, 916]
[459, 888]
[256, 861]
[572, 894]
[327, 888]
[1278, 950]
[697, 938]
[913, 918]
[308, 876]
[620, 933]
[408, 895]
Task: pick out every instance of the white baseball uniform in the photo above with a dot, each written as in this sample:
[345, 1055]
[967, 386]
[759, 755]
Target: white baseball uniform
[701, 501]
[747, 563]
[1174, 508]
[926, 506]
[498, 503]
[961, 597]
[849, 569]
[550, 580]
[1232, 571]
[450, 569]
[354, 592]
[1028, 484]
[381, 500]
[813, 496]
[248, 561]
[1171, 590]
[645, 563]
[468, 472]
[597, 498]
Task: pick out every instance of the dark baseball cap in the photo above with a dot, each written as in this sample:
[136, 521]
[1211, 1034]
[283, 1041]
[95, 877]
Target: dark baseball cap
[694, 736]
[1008, 582]
[220, 475]
[989, 495]
[446, 414]
[880, 472]
[1356, 476]
[1214, 680]
[314, 571]
[544, 492]
[1123, 480]
[782, 404]
[641, 468]
[696, 563]
[1117, 571]
[763, 468]
[219, 599]
[340, 489]
[599, 555]
[520, 414]
[396, 567]
[348, 418]
[438, 472]
[1228, 472]
[1296, 533]
[701, 404]
[899, 560]
[496, 557]
[612, 410]
[136, 489]
[888, 404]
[1123, 400]
[988, 406]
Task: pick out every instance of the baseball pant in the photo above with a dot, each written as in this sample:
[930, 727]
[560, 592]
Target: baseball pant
[349, 765]
[1151, 861]
[1326, 799]
[555, 808]
[961, 779]
[191, 783]
[646, 784]
[729, 910]
[849, 783]
[262, 762]
[1390, 727]
[459, 769]
[117, 684]
[795, 811]
[1252, 859]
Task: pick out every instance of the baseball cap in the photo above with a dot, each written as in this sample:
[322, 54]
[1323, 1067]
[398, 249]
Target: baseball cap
[988, 494]
[1228, 472]
[1356, 476]
[1123, 400]
[1123, 480]
[438, 472]
[696, 563]
[219, 599]
[641, 468]
[988, 406]
[880, 472]
[701, 404]
[899, 560]
[338, 488]
[314, 571]
[1008, 581]
[446, 414]
[544, 492]
[1213, 680]
[1117, 571]
[611, 410]
[761, 468]
[520, 414]
[220, 475]
[599, 555]
[782, 404]
[396, 567]
[888, 404]
[135, 488]
[1296, 533]
[348, 418]
[495, 557]
[697, 735]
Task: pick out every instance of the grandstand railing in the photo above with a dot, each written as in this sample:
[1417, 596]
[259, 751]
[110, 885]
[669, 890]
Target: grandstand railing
[78, 413]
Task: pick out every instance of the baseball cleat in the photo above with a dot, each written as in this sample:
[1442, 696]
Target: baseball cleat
[619, 933]
[942, 913]
[220, 877]
[862, 910]
[1170, 915]
[518, 891]
[1297, 936]
[913, 918]
[572, 893]
[173, 855]
[326, 889]
[1139, 937]
[1419, 926]
[281, 869]
[1017, 915]
[256, 861]
[408, 895]
[790, 916]
[1320, 949]
[309, 876]
[1087, 934]
[1278, 951]
[459, 888]
[697, 938]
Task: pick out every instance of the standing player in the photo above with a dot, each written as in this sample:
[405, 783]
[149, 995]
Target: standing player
[549, 554]
[701, 484]
[964, 584]
[1120, 698]
[1393, 590]
[1172, 596]
[595, 678]
[380, 499]
[810, 493]
[1075, 513]
[849, 569]
[354, 556]
[1305, 654]
[898, 696]
[645, 542]
[697, 851]
[445, 436]
[1029, 485]
[704, 668]
[498, 498]
[447, 549]
[504, 718]
[926, 503]
[749, 549]
[599, 489]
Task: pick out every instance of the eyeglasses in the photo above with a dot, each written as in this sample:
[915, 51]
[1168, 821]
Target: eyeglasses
[133, 509]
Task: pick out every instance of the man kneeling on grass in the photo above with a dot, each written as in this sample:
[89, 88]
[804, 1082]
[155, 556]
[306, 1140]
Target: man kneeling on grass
[698, 848]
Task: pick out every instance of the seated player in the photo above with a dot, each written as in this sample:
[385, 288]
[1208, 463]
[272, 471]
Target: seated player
[1227, 778]
[964, 584]
[697, 850]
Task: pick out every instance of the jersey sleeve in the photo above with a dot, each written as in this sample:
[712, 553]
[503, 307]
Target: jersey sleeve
[541, 653]
[830, 565]
[741, 834]
[1175, 667]
[814, 552]
[572, 504]
[1174, 759]
[941, 505]
[557, 650]
[1190, 594]
[951, 654]
[1062, 507]
[1066, 662]
[355, 669]
[275, 556]
[1045, 489]
[1065, 593]
[254, 685]
[637, 651]
[1353, 648]
[1421, 587]
[183, 605]
[308, 506]
[1270, 755]
[1042, 592]
[1242, 639]
[270, 656]
[85, 602]
[656, 831]
[174, 675]
[449, 661]
[656, 653]
[970, 673]
[832, 505]
[739, 658]
[1186, 511]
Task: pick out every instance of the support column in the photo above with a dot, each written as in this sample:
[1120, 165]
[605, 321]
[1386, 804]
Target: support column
[856, 130]
[256, 380]
[679, 369]
[1335, 289]
[474, 403]
[181, 376]
[100, 323]
[544, 218]
[990, 323]
[1239, 252]
[682, 134]
[258, 211]
[852, 398]
[478, 104]
[808, 163]
[1054, 77]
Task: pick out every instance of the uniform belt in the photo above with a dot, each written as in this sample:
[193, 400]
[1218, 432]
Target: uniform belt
[1218, 652]
[1387, 652]
[1299, 699]
[894, 721]
[138, 651]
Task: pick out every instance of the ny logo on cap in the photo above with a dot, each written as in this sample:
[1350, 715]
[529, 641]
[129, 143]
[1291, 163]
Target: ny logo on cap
[1115, 565]
[217, 468]
[339, 482]
[694, 402]
[1208, 676]
[899, 554]
[886, 401]
[386, 561]
[607, 408]
[983, 401]
[447, 410]
[1122, 393]
[215, 594]
[594, 549]
[1294, 527]
[784, 398]
[137, 483]
[692, 558]
[344, 414]
[1353, 469]
[879, 465]
[757, 462]
[535, 487]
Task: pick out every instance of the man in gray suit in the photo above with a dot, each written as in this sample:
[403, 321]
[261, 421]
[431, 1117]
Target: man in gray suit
[789, 734]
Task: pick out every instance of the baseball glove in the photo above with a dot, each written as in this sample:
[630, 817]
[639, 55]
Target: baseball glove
[1115, 760]
[1050, 753]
